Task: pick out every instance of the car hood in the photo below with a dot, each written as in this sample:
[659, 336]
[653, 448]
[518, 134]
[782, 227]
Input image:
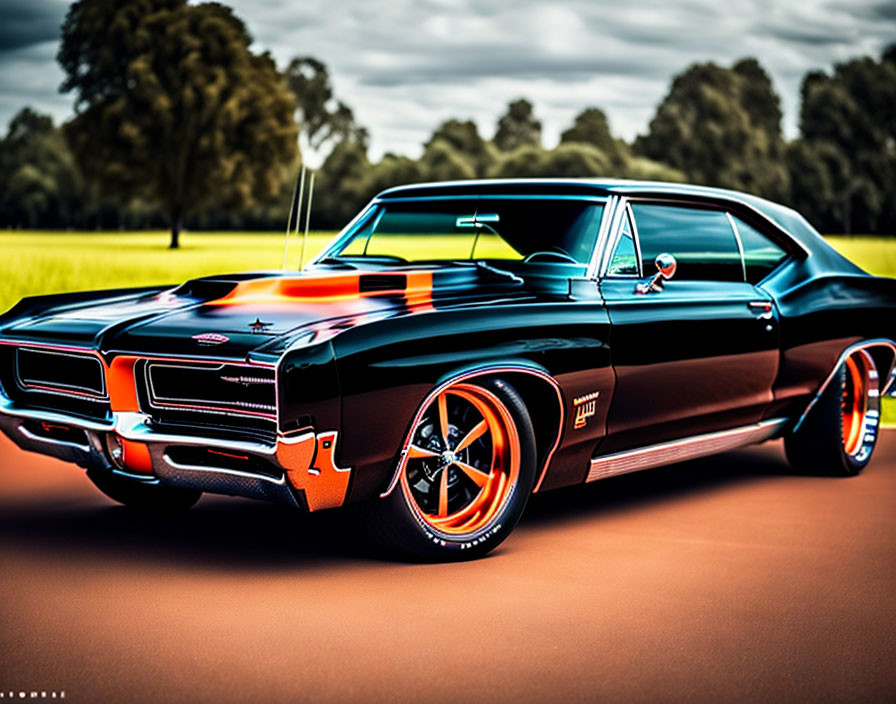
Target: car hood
[260, 314]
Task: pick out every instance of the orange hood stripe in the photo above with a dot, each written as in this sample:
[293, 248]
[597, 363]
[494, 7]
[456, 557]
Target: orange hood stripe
[321, 289]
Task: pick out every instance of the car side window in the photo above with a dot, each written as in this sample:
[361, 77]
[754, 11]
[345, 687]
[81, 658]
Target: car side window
[702, 241]
[625, 257]
[761, 255]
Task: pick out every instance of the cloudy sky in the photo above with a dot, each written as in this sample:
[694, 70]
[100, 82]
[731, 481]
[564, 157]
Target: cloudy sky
[406, 65]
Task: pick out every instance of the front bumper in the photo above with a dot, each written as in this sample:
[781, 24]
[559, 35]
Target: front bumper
[298, 470]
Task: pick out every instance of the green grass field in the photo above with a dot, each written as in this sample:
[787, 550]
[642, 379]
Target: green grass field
[35, 262]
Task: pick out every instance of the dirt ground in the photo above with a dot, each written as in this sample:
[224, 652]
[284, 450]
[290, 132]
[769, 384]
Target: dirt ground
[726, 579]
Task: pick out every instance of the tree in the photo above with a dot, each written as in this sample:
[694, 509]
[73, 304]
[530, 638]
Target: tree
[591, 127]
[392, 170]
[322, 119]
[442, 162]
[848, 126]
[571, 160]
[341, 188]
[518, 127]
[171, 105]
[39, 183]
[464, 138]
[721, 127]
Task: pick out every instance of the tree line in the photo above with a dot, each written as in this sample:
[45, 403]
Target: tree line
[177, 122]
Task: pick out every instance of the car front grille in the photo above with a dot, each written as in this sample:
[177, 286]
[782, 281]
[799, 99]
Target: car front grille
[214, 400]
[53, 380]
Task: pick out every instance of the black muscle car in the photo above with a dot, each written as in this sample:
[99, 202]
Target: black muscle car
[459, 346]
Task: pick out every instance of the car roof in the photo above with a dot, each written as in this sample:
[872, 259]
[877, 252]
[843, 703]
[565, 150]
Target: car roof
[786, 219]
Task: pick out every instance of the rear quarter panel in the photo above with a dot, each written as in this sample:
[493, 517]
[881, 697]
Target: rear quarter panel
[822, 312]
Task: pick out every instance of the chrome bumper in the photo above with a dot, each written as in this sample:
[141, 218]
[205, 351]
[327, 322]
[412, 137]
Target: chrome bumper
[303, 471]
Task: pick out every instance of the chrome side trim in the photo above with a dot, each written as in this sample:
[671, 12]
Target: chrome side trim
[481, 371]
[740, 244]
[864, 345]
[681, 450]
[620, 215]
[37, 438]
[604, 235]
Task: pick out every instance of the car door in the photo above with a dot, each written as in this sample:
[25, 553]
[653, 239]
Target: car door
[698, 353]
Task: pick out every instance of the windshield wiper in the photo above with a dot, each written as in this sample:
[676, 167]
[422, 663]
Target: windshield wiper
[485, 266]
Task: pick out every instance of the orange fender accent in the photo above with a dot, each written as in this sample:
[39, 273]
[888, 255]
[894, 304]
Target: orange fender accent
[310, 467]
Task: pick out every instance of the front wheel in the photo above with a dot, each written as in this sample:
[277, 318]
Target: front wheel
[465, 478]
[839, 435]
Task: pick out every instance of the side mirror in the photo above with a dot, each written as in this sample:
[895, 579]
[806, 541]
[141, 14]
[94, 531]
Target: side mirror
[665, 269]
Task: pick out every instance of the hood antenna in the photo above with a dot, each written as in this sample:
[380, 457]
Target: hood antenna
[307, 220]
[297, 189]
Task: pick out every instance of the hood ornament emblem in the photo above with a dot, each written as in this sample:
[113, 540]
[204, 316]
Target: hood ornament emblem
[259, 326]
[211, 338]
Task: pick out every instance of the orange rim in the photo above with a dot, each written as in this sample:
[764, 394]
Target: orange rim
[854, 405]
[462, 463]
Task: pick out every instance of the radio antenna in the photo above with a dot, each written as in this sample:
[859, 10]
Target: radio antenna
[292, 209]
[307, 220]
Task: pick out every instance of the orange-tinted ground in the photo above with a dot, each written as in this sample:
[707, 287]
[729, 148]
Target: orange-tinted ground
[719, 580]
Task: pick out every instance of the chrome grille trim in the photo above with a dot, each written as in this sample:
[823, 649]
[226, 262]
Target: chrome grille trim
[188, 404]
[55, 387]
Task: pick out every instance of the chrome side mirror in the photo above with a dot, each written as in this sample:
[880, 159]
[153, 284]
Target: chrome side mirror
[665, 269]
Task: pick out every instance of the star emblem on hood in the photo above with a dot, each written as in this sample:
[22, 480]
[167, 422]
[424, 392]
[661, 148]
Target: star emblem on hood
[259, 325]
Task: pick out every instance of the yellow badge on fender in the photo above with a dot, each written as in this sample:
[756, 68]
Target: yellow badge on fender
[585, 407]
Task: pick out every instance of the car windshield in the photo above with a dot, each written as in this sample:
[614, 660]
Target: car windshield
[474, 228]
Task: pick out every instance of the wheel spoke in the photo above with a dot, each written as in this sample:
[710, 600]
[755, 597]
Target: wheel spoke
[477, 432]
[443, 494]
[416, 452]
[478, 441]
[443, 419]
[477, 475]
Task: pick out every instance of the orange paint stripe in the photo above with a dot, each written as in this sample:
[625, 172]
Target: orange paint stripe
[321, 289]
[299, 289]
[136, 456]
[228, 454]
[122, 385]
[419, 290]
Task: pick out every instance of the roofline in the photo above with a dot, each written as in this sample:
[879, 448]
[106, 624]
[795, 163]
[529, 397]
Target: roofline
[603, 186]
[760, 207]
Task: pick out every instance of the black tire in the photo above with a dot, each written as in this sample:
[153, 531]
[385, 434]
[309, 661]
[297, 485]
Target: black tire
[838, 436]
[143, 497]
[466, 519]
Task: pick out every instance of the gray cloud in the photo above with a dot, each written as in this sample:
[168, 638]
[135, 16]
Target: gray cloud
[28, 22]
[406, 65]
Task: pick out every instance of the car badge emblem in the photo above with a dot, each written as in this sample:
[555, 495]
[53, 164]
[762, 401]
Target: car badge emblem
[585, 406]
[247, 381]
[211, 338]
[259, 326]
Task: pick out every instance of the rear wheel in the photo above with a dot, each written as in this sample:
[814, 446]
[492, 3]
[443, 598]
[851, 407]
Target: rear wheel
[143, 497]
[839, 434]
[466, 478]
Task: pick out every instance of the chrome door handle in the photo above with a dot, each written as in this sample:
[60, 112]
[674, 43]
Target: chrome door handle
[763, 308]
